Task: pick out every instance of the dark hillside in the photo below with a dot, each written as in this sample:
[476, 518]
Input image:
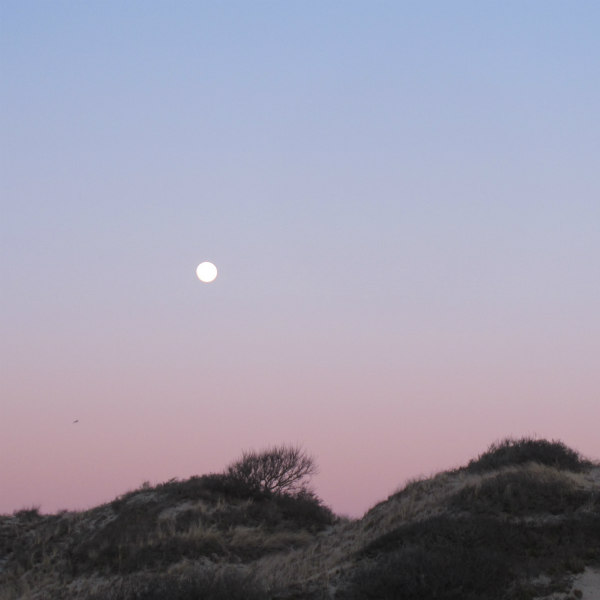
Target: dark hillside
[520, 522]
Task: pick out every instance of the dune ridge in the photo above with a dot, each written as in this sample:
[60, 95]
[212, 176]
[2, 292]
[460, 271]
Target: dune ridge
[521, 521]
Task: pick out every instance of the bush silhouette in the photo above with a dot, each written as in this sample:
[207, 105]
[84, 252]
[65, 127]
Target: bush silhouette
[277, 470]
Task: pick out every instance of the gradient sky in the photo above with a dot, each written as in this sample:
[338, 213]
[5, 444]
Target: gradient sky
[402, 199]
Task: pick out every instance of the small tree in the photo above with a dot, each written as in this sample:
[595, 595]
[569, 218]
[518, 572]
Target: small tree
[277, 470]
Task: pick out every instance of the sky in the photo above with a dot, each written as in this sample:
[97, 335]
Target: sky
[402, 200]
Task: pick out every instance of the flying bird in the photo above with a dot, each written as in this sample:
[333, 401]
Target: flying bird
[76, 421]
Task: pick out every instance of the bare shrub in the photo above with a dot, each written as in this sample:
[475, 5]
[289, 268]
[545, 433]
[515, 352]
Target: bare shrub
[277, 470]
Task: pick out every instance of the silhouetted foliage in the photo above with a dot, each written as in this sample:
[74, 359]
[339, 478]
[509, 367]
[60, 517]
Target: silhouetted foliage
[515, 452]
[277, 470]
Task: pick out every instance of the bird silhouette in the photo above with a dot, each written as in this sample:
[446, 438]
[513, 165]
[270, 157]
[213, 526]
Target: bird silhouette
[76, 421]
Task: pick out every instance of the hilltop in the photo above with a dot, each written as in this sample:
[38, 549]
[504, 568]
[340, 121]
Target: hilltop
[519, 522]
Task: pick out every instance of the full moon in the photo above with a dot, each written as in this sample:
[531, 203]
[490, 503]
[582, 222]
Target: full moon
[206, 272]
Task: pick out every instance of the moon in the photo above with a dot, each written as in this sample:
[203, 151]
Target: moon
[206, 272]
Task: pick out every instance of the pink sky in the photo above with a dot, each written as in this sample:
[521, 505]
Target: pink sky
[371, 424]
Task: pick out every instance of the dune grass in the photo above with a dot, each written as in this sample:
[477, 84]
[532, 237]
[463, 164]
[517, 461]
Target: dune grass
[513, 524]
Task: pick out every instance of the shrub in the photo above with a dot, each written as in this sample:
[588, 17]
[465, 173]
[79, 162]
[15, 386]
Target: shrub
[515, 452]
[277, 470]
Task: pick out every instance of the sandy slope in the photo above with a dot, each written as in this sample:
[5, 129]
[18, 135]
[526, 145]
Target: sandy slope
[588, 583]
[585, 586]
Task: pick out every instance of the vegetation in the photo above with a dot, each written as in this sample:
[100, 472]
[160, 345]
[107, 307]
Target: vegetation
[478, 558]
[228, 584]
[514, 524]
[521, 511]
[28, 514]
[516, 452]
[278, 470]
[522, 492]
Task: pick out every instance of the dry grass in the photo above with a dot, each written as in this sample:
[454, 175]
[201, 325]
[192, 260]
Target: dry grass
[333, 552]
[184, 537]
